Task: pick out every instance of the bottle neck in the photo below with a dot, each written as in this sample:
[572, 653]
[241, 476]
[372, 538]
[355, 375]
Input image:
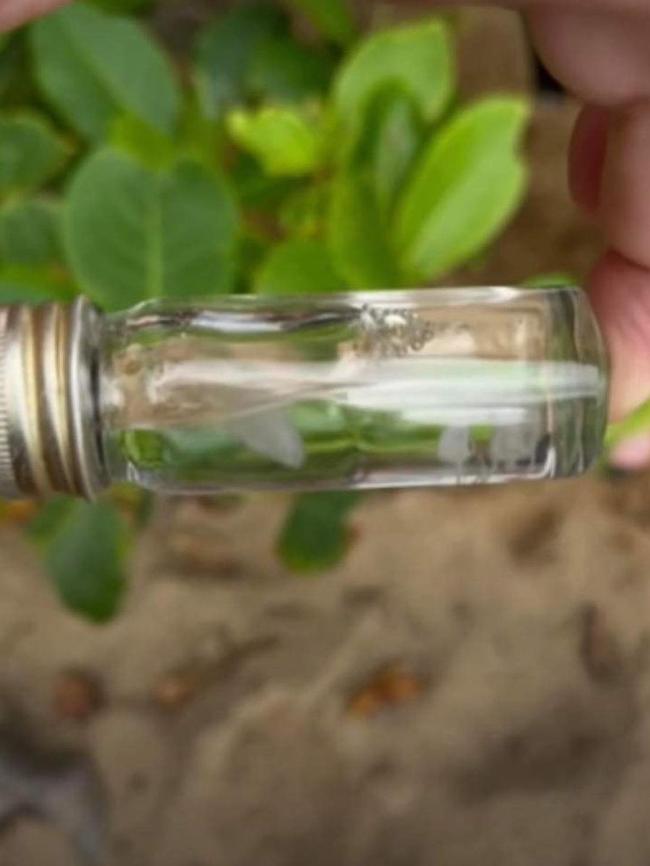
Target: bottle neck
[49, 432]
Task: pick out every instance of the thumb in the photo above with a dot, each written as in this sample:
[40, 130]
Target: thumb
[15, 12]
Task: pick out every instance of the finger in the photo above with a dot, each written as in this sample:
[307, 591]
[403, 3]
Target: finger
[625, 192]
[604, 58]
[587, 155]
[601, 57]
[620, 292]
[15, 12]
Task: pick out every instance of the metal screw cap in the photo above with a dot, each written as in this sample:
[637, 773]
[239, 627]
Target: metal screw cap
[49, 439]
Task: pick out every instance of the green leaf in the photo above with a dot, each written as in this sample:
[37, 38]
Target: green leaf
[226, 49]
[252, 252]
[314, 537]
[392, 139]
[550, 281]
[49, 518]
[635, 424]
[30, 152]
[132, 233]
[93, 67]
[332, 17]
[256, 190]
[416, 58]
[148, 145]
[200, 138]
[29, 232]
[298, 267]
[284, 141]
[304, 212]
[122, 7]
[85, 548]
[16, 89]
[33, 285]
[282, 70]
[467, 186]
[357, 237]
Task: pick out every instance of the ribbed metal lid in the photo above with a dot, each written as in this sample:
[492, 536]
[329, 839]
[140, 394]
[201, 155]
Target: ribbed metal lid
[8, 483]
[48, 436]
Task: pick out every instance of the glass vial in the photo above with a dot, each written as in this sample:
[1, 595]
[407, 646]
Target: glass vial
[365, 390]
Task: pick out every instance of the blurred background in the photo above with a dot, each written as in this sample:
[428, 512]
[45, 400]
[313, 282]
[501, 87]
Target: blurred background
[402, 679]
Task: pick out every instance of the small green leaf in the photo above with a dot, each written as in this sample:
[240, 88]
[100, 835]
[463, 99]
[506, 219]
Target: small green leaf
[467, 186]
[226, 50]
[144, 448]
[132, 233]
[637, 423]
[257, 191]
[282, 70]
[416, 58]
[304, 212]
[85, 547]
[298, 267]
[284, 141]
[93, 67]
[332, 17]
[357, 238]
[250, 54]
[33, 285]
[314, 537]
[30, 152]
[550, 281]
[391, 140]
[147, 144]
[201, 138]
[29, 232]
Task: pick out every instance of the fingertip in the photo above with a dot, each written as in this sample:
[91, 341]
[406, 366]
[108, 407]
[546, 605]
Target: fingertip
[624, 205]
[620, 294]
[587, 155]
[632, 454]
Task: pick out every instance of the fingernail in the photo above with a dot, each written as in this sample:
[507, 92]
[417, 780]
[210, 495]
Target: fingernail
[632, 454]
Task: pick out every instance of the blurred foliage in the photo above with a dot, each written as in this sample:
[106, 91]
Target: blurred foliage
[316, 536]
[84, 546]
[260, 162]
[637, 423]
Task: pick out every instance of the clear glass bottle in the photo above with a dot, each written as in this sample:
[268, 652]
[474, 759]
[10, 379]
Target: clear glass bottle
[364, 390]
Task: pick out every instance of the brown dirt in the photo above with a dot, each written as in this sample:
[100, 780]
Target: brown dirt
[481, 659]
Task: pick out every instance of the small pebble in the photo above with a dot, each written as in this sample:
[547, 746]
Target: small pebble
[77, 695]
[176, 689]
[391, 687]
[19, 512]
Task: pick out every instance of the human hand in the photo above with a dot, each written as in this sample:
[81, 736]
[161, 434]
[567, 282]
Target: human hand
[15, 12]
[599, 50]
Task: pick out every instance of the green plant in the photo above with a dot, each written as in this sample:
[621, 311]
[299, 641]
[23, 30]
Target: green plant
[255, 163]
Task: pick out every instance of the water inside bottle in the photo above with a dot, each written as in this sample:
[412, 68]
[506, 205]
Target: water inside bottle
[382, 398]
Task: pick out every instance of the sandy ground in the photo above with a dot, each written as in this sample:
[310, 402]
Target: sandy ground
[472, 686]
